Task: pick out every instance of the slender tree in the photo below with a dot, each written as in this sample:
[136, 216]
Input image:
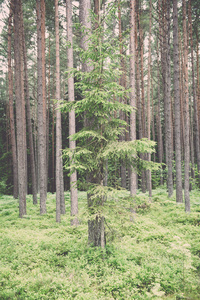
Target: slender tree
[41, 95]
[21, 147]
[149, 183]
[179, 193]
[195, 104]
[29, 122]
[133, 175]
[11, 110]
[186, 113]
[59, 167]
[72, 122]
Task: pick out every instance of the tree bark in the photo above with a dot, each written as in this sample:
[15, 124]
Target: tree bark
[59, 167]
[72, 121]
[41, 107]
[186, 113]
[21, 150]
[11, 110]
[133, 175]
[143, 114]
[179, 193]
[29, 123]
[195, 104]
[167, 96]
[121, 82]
[149, 183]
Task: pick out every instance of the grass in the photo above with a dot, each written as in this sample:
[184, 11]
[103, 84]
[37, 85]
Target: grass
[155, 257]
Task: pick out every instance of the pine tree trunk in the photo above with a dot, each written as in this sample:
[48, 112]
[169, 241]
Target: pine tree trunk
[143, 115]
[53, 138]
[186, 113]
[149, 183]
[167, 97]
[41, 108]
[21, 150]
[133, 175]
[179, 193]
[59, 168]
[30, 131]
[139, 110]
[158, 120]
[195, 104]
[72, 121]
[11, 110]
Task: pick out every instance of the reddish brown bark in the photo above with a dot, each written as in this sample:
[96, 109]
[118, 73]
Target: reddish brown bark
[72, 121]
[11, 110]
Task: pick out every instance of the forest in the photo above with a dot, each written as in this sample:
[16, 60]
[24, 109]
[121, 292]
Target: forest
[99, 149]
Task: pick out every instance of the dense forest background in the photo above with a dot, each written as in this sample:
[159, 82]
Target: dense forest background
[56, 55]
[99, 149]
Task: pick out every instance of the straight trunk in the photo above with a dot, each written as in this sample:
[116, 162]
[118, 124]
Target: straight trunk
[30, 131]
[167, 97]
[133, 175]
[21, 150]
[179, 193]
[158, 120]
[149, 183]
[41, 110]
[143, 115]
[72, 121]
[186, 113]
[59, 167]
[121, 82]
[195, 104]
[11, 110]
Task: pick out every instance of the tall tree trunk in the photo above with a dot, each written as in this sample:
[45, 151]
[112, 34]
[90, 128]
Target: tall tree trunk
[72, 121]
[133, 175]
[179, 193]
[59, 167]
[21, 150]
[48, 103]
[181, 96]
[153, 116]
[167, 97]
[139, 109]
[143, 115]
[53, 137]
[149, 183]
[41, 107]
[186, 113]
[198, 89]
[28, 109]
[195, 104]
[11, 110]
[158, 119]
[121, 82]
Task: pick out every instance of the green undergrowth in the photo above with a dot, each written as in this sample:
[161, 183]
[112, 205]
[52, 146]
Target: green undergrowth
[151, 253]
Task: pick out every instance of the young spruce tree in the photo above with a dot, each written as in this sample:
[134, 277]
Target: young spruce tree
[98, 141]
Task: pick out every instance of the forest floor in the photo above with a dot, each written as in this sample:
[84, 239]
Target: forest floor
[155, 257]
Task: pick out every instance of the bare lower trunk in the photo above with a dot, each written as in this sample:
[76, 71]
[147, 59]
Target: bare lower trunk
[186, 114]
[72, 121]
[41, 113]
[149, 183]
[195, 103]
[11, 110]
[21, 150]
[30, 131]
[133, 175]
[179, 193]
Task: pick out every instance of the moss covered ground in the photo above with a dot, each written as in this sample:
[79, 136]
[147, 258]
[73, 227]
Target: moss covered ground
[153, 254]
